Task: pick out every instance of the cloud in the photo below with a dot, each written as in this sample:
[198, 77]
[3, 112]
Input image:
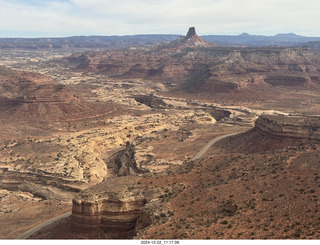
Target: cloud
[121, 17]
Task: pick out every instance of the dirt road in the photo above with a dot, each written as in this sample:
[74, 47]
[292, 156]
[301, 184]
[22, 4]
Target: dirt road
[39, 227]
[207, 146]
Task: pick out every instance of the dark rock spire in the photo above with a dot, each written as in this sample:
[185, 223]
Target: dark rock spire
[191, 32]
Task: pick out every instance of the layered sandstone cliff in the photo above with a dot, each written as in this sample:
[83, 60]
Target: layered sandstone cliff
[111, 206]
[115, 204]
[300, 127]
[122, 207]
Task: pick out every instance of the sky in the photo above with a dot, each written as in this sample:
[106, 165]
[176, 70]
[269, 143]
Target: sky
[62, 18]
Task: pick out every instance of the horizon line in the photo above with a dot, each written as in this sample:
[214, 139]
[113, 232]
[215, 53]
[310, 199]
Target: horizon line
[148, 34]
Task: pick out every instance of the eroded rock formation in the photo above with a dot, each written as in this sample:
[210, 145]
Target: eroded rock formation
[219, 114]
[122, 207]
[113, 206]
[191, 40]
[290, 126]
[151, 101]
[123, 163]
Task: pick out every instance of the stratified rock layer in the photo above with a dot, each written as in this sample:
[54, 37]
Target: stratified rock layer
[29, 96]
[192, 65]
[111, 206]
[299, 127]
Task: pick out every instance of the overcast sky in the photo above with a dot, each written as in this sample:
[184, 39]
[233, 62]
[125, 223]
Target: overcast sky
[48, 18]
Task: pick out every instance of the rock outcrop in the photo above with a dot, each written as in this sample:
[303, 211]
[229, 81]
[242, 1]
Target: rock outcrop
[151, 101]
[191, 32]
[219, 114]
[123, 163]
[299, 127]
[191, 40]
[121, 207]
[113, 206]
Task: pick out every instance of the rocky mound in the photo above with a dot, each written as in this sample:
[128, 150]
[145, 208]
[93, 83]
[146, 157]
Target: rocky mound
[28, 96]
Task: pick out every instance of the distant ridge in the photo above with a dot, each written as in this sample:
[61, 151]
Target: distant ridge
[247, 40]
[120, 42]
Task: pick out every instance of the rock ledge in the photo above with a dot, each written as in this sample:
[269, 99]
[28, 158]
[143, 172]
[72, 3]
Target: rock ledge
[300, 127]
